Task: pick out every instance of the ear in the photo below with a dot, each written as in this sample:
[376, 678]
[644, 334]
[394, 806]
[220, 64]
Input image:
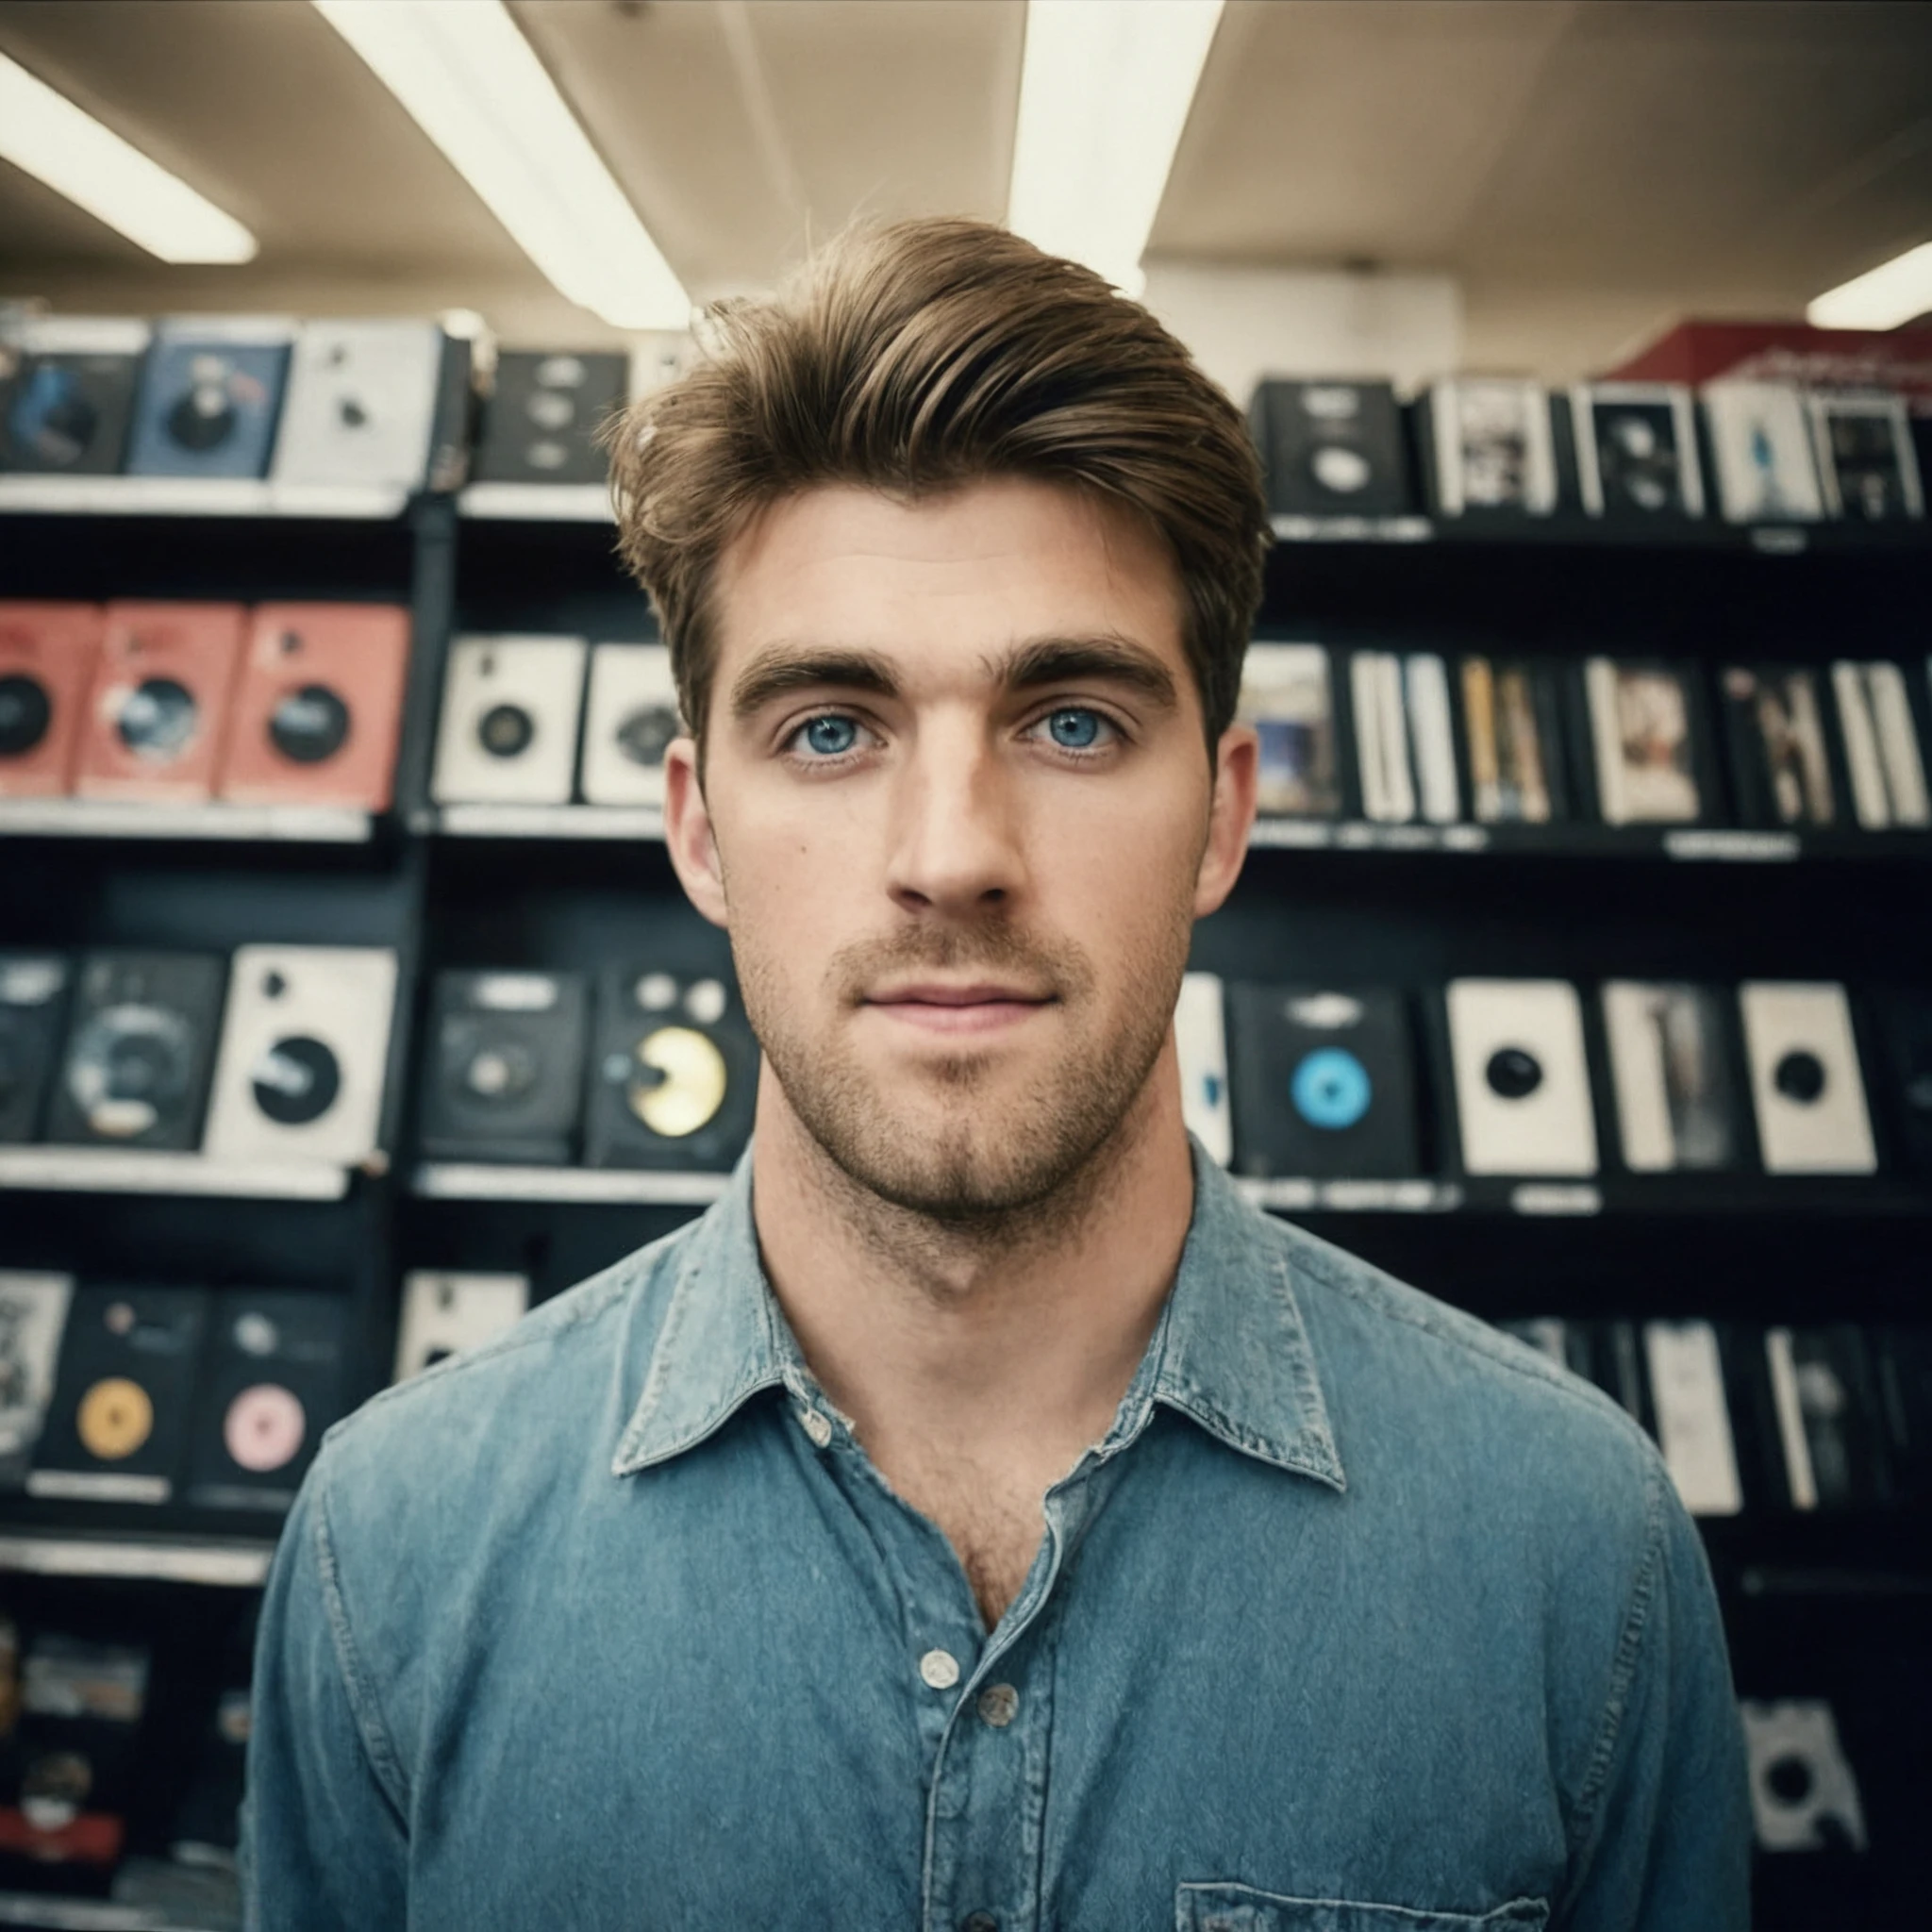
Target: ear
[1230, 817]
[687, 834]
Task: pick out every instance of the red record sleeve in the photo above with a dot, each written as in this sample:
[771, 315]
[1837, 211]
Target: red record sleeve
[47, 653]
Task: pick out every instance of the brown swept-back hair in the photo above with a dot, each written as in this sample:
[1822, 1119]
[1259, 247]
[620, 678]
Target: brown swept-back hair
[917, 358]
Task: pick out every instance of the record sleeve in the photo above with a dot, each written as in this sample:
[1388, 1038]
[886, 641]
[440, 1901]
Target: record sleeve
[117, 1428]
[1881, 739]
[46, 663]
[1644, 731]
[1693, 1418]
[33, 1318]
[543, 416]
[629, 721]
[317, 706]
[1331, 448]
[1806, 1087]
[1381, 728]
[1866, 460]
[1902, 1361]
[504, 1067]
[362, 402]
[1636, 450]
[68, 410]
[158, 709]
[1825, 1399]
[444, 1314]
[1491, 447]
[510, 709]
[1678, 1104]
[1804, 1797]
[33, 1012]
[211, 394]
[1201, 1045]
[1781, 758]
[1905, 1033]
[1513, 725]
[1521, 1080]
[1285, 697]
[1325, 1082]
[1760, 440]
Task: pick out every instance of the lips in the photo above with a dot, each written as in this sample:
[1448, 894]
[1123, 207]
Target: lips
[982, 1008]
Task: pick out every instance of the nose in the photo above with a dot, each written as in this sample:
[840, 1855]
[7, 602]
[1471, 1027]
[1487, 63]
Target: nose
[957, 845]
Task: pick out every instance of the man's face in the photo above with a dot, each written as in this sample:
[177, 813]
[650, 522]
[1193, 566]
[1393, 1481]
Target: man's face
[958, 816]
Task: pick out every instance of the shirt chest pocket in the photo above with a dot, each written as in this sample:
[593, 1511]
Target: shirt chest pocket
[1241, 1908]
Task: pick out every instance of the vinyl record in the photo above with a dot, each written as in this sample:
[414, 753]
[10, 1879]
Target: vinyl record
[47, 655]
[504, 1067]
[33, 1012]
[1522, 1082]
[509, 731]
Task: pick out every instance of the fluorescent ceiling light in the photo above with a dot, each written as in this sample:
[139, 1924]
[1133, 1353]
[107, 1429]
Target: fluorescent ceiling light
[474, 87]
[1893, 292]
[46, 136]
[1104, 90]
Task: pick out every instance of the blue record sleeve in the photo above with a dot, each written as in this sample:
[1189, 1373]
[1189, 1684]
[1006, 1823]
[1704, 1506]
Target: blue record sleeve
[210, 397]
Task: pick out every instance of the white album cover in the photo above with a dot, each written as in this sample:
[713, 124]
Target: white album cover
[1668, 1072]
[1881, 743]
[1816, 1810]
[1522, 1081]
[509, 731]
[1806, 1087]
[629, 718]
[305, 1045]
[1693, 1422]
[1787, 1397]
[1492, 446]
[1760, 441]
[33, 1318]
[444, 1314]
[1432, 732]
[1381, 731]
[361, 403]
[1201, 1037]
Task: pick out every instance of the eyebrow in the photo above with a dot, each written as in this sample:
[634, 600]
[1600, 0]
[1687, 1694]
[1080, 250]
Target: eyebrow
[782, 669]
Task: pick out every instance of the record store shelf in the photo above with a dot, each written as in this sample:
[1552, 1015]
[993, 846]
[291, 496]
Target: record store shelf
[228, 1562]
[451, 1180]
[199, 497]
[106, 818]
[50, 1912]
[162, 1170]
[1598, 533]
[536, 502]
[490, 820]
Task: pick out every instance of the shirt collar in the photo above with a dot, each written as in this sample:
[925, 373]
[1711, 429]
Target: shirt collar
[1230, 1350]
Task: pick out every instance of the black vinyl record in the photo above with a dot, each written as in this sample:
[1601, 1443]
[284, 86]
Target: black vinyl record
[674, 1071]
[33, 1006]
[68, 414]
[117, 1428]
[542, 419]
[140, 1050]
[504, 1070]
[1323, 1082]
[1332, 449]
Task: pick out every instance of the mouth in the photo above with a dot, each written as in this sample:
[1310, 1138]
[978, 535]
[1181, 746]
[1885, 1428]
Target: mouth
[936, 1008]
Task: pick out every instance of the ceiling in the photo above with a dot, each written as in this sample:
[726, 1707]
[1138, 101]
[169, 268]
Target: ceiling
[1585, 168]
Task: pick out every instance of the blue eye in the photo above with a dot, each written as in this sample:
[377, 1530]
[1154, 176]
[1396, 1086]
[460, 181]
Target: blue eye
[830, 735]
[1078, 730]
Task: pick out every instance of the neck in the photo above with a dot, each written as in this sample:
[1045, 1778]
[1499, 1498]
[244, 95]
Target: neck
[1010, 1338]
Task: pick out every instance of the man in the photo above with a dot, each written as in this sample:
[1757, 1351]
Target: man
[981, 1519]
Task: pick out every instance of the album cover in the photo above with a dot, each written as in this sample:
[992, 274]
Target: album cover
[68, 409]
[1637, 449]
[1286, 697]
[1491, 446]
[157, 707]
[305, 1047]
[33, 1014]
[1685, 1372]
[210, 392]
[46, 661]
[1902, 1361]
[503, 1075]
[443, 1314]
[139, 1046]
[1825, 1399]
[1905, 1022]
[1331, 448]
[1760, 440]
[509, 720]
[362, 402]
[1512, 722]
[1678, 1104]
[1804, 1797]
[543, 416]
[272, 1381]
[1324, 1082]
[673, 1073]
[1806, 1087]
[630, 719]
[1780, 747]
[1881, 738]
[33, 1317]
[1865, 457]
[1644, 731]
[1522, 1081]
[1201, 1042]
[318, 705]
[117, 1429]
[1404, 736]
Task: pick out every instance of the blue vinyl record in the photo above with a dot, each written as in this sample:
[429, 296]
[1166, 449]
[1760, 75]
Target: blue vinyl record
[208, 408]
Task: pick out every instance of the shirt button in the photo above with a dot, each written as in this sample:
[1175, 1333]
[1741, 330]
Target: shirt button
[940, 1669]
[999, 1703]
[816, 1426]
[979, 1921]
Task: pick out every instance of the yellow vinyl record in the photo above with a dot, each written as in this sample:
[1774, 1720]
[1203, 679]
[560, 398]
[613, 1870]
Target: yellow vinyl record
[690, 1085]
[116, 1417]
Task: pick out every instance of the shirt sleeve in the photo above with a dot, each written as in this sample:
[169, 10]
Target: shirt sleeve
[324, 1847]
[1667, 1838]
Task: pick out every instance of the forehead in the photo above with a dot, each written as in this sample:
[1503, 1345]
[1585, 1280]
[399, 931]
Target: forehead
[986, 565]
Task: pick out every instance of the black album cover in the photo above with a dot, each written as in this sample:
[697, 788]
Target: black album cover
[1331, 448]
[543, 413]
[1866, 457]
[503, 1078]
[1826, 1427]
[272, 1382]
[1636, 450]
[1323, 1082]
[140, 1050]
[673, 1073]
[70, 404]
[117, 1428]
[1513, 739]
[1905, 1081]
[210, 395]
[1781, 756]
[33, 1011]
[1902, 1366]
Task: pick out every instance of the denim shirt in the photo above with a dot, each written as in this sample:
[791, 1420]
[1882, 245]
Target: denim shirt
[1361, 1617]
